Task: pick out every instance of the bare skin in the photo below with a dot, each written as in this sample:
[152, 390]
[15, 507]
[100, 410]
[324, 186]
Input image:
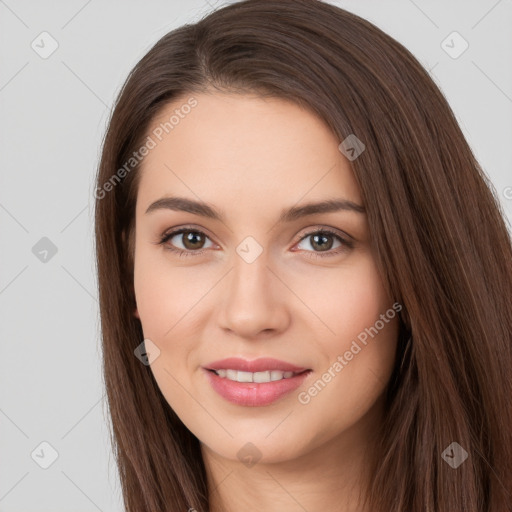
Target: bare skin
[303, 300]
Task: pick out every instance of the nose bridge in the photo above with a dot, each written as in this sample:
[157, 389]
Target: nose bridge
[250, 276]
[251, 303]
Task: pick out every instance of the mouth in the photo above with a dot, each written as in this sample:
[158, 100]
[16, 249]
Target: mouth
[254, 383]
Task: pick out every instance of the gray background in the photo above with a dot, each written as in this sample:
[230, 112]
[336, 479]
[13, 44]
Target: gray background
[53, 114]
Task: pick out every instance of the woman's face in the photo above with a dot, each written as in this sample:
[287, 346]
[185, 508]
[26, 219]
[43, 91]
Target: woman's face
[257, 279]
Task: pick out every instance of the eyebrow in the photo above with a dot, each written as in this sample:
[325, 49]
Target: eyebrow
[295, 212]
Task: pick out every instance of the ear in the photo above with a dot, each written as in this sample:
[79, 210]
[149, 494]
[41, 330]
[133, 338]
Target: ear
[136, 313]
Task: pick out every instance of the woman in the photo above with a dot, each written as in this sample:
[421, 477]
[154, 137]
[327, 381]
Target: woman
[304, 277]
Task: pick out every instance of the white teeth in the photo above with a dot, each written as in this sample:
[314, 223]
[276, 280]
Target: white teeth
[232, 374]
[261, 377]
[258, 377]
[244, 377]
[276, 375]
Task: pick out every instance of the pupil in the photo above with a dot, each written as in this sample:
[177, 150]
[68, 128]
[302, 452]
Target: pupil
[324, 237]
[191, 239]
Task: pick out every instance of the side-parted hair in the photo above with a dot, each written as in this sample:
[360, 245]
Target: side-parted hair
[437, 230]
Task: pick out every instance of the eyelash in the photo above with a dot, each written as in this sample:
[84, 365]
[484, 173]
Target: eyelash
[346, 244]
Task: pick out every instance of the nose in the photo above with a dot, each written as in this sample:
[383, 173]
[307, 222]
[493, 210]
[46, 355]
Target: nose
[252, 300]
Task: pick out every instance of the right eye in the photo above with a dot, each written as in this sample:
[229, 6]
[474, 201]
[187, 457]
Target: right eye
[192, 241]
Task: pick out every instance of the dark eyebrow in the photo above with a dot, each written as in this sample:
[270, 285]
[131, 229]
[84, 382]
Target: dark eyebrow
[328, 206]
[293, 213]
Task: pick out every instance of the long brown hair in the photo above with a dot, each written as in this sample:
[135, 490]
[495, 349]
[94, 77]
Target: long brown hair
[438, 235]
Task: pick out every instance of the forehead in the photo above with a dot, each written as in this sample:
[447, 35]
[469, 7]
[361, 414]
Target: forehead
[231, 148]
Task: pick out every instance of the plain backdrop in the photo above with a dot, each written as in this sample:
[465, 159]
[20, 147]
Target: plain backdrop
[53, 114]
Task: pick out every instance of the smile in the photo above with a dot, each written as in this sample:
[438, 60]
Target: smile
[258, 377]
[254, 389]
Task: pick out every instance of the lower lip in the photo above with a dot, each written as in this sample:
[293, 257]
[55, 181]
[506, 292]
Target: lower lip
[254, 394]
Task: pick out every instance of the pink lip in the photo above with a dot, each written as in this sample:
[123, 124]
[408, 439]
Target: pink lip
[254, 394]
[258, 365]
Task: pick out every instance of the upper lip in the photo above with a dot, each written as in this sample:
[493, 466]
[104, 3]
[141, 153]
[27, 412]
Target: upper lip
[257, 365]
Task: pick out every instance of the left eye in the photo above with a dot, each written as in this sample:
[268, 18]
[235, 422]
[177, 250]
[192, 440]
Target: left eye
[322, 240]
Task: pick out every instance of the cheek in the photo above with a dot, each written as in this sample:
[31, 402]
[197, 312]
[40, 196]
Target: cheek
[165, 292]
[359, 334]
[361, 302]
[166, 295]
[346, 300]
